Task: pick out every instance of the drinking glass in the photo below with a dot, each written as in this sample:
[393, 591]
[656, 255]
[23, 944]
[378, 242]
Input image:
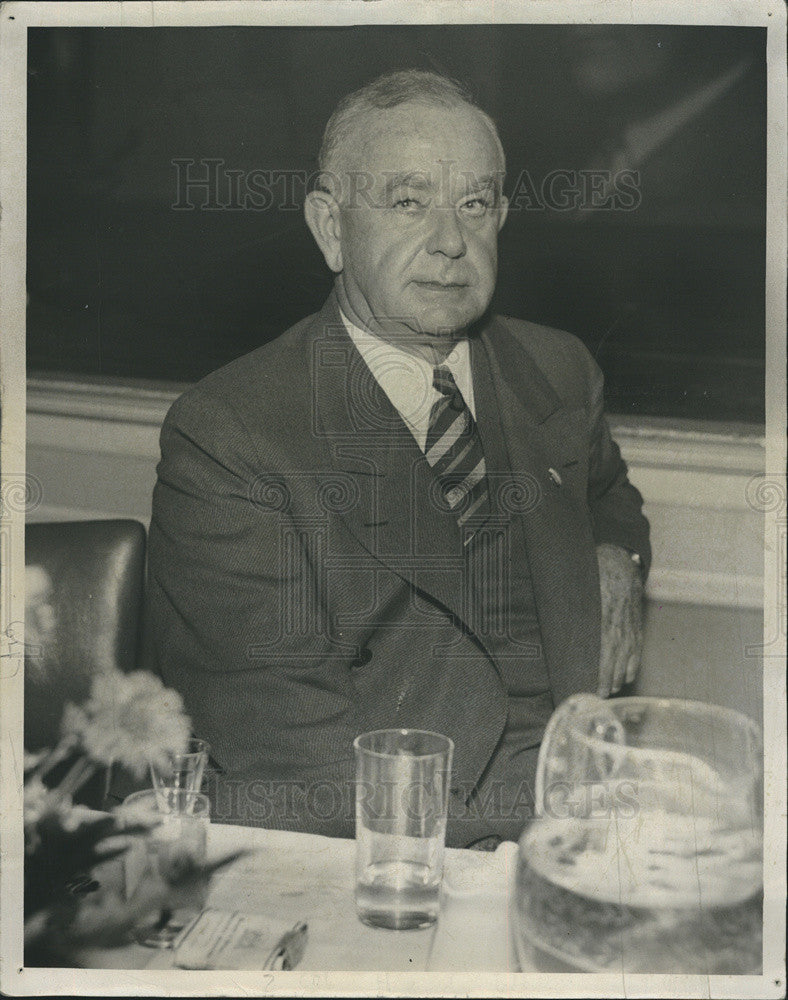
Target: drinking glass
[402, 791]
[183, 771]
[170, 858]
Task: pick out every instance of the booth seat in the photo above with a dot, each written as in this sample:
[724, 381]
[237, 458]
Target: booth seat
[84, 583]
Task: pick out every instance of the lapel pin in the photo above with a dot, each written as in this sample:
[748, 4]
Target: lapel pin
[554, 476]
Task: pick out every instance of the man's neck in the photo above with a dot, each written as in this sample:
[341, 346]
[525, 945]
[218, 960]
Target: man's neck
[434, 350]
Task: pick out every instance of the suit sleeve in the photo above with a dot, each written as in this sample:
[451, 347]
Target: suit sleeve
[615, 504]
[236, 626]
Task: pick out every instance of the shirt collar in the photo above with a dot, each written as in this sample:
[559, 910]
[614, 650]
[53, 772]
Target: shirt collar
[407, 379]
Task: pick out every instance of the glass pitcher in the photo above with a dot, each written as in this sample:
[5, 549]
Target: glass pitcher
[646, 854]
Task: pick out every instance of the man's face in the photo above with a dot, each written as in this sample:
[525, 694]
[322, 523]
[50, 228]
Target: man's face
[419, 232]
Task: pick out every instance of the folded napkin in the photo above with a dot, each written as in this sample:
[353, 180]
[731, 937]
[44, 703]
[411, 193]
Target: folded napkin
[487, 873]
[473, 932]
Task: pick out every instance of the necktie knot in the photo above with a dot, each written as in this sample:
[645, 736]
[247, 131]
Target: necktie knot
[443, 382]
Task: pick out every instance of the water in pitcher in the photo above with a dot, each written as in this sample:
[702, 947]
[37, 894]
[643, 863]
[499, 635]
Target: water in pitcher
[656, 892]
[647, 853]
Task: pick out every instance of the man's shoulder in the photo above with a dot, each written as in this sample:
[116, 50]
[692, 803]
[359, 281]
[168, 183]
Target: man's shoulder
[553, 350]
[539, 339]
[268, 378]
[268, 364]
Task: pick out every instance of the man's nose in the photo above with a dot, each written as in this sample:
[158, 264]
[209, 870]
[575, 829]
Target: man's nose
[445, 235]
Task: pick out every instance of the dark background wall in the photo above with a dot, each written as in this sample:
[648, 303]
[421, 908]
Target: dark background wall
[666, 287]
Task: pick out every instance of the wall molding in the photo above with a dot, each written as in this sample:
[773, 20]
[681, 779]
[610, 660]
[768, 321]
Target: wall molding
[684, 463]
[94, 447]
[124, 401]
[650, 443]
[690, 444]
[686, 586]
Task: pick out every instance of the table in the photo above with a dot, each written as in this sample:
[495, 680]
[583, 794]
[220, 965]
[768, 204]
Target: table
[298, 876]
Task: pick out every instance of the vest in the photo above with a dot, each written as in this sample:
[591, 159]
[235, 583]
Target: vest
[502, 611]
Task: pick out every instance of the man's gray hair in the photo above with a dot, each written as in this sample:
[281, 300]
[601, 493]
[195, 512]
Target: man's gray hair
[389, 91]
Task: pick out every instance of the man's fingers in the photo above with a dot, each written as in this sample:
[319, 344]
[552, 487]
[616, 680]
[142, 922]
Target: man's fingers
[619, 668]
[622, 623]
[621, 658]
[611, 652]
[605, 681]
[606, 663]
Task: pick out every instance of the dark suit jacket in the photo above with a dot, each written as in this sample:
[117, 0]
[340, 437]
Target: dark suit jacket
[305, 587]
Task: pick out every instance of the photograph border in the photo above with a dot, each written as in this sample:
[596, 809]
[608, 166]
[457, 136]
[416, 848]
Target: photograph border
[17, 488]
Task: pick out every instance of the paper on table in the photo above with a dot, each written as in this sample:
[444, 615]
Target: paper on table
[225, 939]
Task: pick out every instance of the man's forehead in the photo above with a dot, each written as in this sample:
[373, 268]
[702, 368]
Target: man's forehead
[415, 138]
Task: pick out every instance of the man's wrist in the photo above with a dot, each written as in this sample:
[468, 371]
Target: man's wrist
[624, 552]
[637, 560]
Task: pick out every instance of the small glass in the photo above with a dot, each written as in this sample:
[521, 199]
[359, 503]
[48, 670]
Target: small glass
[167, 863]
[402, 793]
[183, 771]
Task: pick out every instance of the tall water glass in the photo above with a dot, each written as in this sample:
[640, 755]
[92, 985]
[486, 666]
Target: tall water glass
[402, 792]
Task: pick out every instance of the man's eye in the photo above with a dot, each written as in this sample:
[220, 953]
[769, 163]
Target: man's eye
[407, 204]
[475, 206]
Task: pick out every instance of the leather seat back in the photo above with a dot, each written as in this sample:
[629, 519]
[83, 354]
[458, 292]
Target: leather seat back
[83, 610]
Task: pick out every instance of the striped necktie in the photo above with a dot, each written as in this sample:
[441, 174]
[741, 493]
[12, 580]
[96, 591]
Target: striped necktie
[454, 450]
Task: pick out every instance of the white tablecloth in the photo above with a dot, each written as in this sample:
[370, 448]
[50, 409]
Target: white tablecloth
[294, 877]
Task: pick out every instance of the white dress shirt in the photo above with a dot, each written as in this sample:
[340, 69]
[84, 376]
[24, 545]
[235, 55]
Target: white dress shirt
[407, 378]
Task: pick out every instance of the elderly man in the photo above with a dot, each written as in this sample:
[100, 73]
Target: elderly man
[400, 512]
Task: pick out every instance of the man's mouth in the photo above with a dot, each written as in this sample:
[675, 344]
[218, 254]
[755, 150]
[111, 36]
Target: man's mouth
[441, 286]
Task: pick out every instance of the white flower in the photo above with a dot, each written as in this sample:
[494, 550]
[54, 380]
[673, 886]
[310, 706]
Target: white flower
[33, 758]
[37, 800]
[40, 615]
[40, 621]
[130, 718]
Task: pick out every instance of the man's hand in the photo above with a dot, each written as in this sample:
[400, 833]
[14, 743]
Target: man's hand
[621, 585]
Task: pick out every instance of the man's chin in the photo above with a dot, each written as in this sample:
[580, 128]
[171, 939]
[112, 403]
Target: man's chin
[446, 323]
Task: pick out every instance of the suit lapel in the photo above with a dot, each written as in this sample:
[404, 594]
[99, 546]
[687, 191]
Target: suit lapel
[540, 438]
[397, 516]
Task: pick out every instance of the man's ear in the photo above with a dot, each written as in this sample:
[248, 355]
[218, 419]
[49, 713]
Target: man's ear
[503, 211]
[322, 216]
